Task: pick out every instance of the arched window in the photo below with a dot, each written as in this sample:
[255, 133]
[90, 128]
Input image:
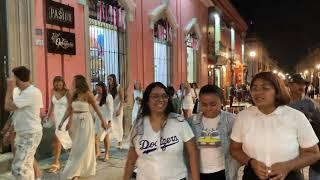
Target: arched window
[162, 51]
[108, 42]
[192, 43]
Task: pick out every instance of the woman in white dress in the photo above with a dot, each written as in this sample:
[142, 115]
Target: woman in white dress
[117, 120]
[58, 106]
[188, 98]
[105, 102]
[82, 158]
[137, 97]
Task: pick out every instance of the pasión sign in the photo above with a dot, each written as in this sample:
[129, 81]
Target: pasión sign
[61, 42]
[59, 14]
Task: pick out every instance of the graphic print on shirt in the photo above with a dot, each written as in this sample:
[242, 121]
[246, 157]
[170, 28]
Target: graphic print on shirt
[148, 146]
[209, 138]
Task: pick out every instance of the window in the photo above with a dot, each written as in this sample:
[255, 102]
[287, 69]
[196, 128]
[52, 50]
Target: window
[192, 47]
[162, 52]
[107, 41]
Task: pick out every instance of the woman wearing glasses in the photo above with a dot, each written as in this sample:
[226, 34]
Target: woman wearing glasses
[273, 140]
[158, 139]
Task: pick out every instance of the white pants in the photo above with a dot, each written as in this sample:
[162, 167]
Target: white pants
[26, 147]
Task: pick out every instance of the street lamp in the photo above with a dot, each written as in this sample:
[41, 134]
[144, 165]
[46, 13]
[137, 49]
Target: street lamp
[252, 54]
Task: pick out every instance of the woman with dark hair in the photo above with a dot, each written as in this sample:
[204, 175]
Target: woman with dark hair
[82, 159]
[176, 103]
[117, 119]
[158, 138]
[272, 140]
[105, 103]
[58, 106]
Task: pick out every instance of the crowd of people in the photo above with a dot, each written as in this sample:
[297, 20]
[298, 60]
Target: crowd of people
[175, 135]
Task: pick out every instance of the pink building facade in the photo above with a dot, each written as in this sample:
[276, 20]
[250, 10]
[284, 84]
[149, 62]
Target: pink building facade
[158, 40]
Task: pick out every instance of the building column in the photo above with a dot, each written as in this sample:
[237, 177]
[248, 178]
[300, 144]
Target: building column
[3, 60]
[20, 20]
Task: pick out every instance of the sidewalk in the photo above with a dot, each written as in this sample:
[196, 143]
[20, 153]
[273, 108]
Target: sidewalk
[110, 170]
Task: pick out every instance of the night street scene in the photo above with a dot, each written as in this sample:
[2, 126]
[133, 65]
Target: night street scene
[159, 90]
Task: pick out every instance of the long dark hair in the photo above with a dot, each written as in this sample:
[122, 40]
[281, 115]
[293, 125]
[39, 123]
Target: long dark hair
[80, 86]
[103, 86]
[138, 128]
[113, 90]
[145, 110]
[59, 79]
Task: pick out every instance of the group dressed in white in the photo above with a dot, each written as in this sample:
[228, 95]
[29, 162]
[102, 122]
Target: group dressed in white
[81, 121]
[174, 136]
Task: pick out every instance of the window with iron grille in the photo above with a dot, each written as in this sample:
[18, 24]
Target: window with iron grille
[192, 67]
[107, 40]
[162, 51]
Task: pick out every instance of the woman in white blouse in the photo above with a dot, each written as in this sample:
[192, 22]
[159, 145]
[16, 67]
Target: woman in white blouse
[158, 139]
[273, 140]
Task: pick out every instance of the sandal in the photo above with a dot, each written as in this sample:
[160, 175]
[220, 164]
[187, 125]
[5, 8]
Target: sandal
[54, 168]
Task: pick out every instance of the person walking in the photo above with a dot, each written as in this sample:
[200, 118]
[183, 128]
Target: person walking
[176, 103]
[82, 158]
[59, 103]
[105, 104]
[159, 139]
[27, 122]
[272, 140]
[188, 99]
[310, 109]
[137, 97]
[117, 119]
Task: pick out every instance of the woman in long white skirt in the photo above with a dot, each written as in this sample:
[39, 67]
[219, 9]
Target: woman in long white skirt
[82, 158]
[117, 119]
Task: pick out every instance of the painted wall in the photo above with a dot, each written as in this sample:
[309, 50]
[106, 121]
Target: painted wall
[50, 65]
[140, 38]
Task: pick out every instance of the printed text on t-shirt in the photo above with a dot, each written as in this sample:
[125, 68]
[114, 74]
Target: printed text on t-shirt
[148, 146]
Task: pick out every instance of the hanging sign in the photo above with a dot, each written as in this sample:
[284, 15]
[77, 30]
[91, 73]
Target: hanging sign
[59, 14]
[61, 42]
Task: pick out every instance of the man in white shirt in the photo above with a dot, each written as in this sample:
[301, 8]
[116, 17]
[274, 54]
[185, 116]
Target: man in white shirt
[27, 123]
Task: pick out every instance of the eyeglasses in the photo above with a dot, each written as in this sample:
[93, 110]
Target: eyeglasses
[261, 88]
[158, 97]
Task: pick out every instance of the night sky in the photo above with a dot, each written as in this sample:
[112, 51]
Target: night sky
[287, 28]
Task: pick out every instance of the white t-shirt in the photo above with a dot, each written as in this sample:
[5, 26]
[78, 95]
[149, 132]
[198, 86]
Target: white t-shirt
[211, 152]
[275, 137]
[27, 116]
[161, 158]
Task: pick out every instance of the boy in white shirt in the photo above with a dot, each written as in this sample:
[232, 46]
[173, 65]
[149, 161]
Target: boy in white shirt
[27, 123]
